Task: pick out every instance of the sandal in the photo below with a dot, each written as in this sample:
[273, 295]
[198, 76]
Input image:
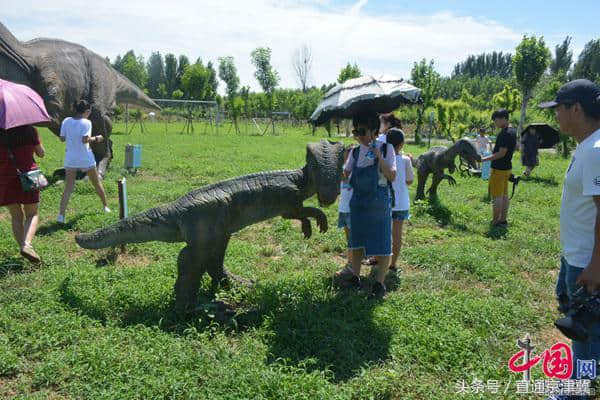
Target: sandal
[29, 253]
[370, 261]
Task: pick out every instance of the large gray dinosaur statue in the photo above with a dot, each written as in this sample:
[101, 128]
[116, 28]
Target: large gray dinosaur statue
[206, 218]
[62, 73]
[438, 158]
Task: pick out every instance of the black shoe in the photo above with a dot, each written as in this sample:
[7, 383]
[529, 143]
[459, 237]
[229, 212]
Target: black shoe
[379, 290]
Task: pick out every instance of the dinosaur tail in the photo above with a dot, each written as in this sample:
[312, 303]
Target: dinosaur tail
[148, 226]
[129, 93]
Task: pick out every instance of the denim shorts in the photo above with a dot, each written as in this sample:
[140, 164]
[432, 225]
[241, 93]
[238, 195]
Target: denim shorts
[402, 215]
[344, 220]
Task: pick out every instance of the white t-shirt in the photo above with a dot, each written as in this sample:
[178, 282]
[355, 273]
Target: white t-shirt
[77, 154]
[363, 161]
[404, 173]
[482, 143]
[578, 210]
[382, 138]
[345, 196]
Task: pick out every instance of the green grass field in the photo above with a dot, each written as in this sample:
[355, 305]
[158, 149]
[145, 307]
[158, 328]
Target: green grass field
[80, 326]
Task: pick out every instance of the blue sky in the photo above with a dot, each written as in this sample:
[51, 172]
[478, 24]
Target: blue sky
[379, 35]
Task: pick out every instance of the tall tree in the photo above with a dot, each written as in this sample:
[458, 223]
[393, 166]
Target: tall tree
[302, 62]
[195, 82]
[211, 81]
[563, 58]
[349, 72]
[170, 73]
[508, 98]
[133, 68]
[588, 62]
[485, 64]
[156, 74]
[529, 63]
[228, 73]
[183, 63]
[266, 76]
[425, 77]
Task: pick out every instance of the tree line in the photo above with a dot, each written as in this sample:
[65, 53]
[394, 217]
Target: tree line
[457, 103]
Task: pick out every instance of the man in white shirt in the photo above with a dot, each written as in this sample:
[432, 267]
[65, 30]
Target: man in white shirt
[577, 109]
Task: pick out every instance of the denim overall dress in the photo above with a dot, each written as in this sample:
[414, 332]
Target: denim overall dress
[370, 211]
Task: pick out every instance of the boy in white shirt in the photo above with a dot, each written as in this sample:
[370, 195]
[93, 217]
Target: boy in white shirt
[401, 206]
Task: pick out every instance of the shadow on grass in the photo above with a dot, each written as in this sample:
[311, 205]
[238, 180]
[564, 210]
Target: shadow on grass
[11, 265]
[313, 328]
[497, 232]
[49, 229]
[543, 181]
[442, 214]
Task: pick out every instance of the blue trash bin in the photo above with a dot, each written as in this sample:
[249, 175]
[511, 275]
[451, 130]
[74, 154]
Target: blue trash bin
[133, 156]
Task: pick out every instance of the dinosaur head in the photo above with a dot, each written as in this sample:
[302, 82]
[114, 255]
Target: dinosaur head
[468, 152]
[324, 161]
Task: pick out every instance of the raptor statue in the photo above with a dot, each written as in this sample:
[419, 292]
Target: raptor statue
[206, 218]
[438, 158]
[62, 73]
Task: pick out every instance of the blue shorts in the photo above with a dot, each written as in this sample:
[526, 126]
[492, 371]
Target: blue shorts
[400, 215]
[344, 220]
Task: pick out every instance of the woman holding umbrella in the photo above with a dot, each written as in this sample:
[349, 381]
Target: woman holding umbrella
[370, 167]
[17, 148]
[530, 143]
[20, 109]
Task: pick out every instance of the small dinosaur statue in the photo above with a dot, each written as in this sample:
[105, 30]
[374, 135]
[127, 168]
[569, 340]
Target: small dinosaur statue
[206, 218]
[438, 158]
[62, 73]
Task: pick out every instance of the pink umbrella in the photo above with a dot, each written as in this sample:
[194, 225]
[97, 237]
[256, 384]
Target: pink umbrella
[20, 105]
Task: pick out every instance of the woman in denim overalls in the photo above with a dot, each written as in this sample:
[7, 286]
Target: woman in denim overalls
[370, 206]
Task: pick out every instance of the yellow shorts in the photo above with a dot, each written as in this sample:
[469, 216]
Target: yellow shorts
[499, 182]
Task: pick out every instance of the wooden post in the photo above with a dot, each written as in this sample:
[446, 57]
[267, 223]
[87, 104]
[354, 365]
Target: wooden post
[122, 184]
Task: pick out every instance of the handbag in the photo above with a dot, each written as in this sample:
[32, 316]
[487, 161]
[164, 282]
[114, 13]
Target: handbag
[31, 180]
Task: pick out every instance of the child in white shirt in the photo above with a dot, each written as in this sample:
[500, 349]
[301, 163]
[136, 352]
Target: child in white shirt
[344, 206]
[404, 178]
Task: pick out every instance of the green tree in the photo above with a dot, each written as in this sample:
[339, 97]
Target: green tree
[563, 58]
[485, 64]
[156, 74]
[170, 73]
[508, 98]
[529, 64]
[266, 76]
[349, 72]
[588, 62]
[211, 81]
[133, 68]
[228, 73]
[195, 82]
[424, 76]
[183, 63]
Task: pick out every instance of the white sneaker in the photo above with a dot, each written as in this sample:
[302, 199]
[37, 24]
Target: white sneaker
[107, 210]
[60, 219]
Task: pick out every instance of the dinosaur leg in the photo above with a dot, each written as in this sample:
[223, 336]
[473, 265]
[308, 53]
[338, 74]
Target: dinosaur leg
[421, 180]
[214, 255]
[435, 181]
[303, 214]
[102, 125]
[189, 275]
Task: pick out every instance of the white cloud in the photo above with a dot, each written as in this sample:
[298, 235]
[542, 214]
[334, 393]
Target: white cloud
[211, 29]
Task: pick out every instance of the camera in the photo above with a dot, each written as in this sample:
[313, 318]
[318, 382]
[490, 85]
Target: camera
[580, 313]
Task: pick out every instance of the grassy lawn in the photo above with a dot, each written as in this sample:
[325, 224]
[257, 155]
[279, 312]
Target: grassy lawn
[82, 327]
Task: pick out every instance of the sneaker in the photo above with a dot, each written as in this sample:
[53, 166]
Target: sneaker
[106, 209]
[60, 219]
[379, 290]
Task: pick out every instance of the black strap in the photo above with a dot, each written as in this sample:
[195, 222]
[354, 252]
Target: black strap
[11, 157]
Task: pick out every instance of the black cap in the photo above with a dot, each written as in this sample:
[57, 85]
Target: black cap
[578, 91]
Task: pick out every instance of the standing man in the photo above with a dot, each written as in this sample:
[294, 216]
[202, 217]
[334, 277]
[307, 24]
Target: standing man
[501, 159]
[577, 109]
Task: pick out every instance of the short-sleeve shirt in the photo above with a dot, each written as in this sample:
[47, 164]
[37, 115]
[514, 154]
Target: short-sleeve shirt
[363, 161]
[507, 138]
[77, 154]
[482, 143]
[404, 172]
[578, 211]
